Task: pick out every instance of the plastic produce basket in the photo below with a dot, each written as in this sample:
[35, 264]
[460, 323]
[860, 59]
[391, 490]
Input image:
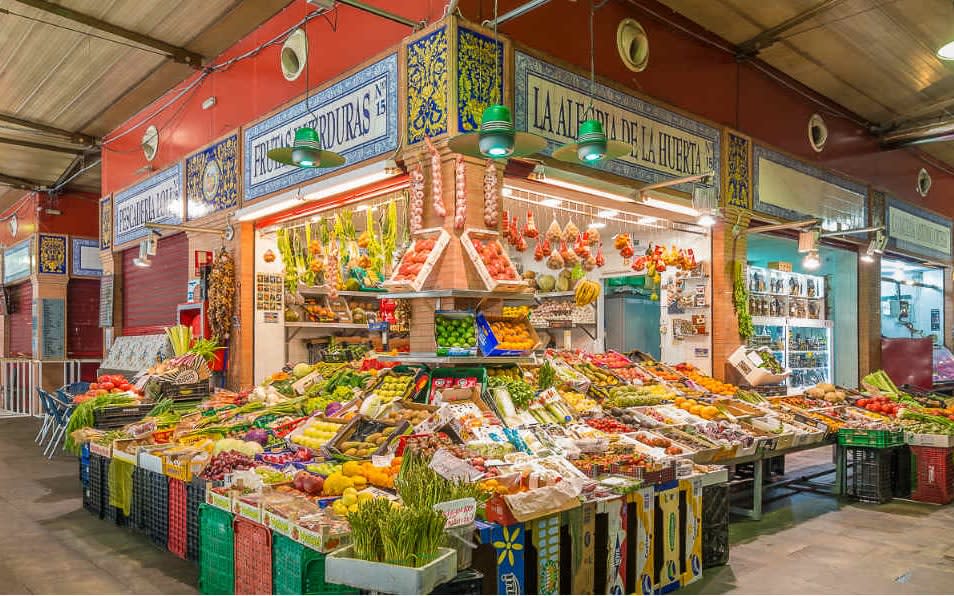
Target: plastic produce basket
[871, 475]
[178, 513]
[715, 544]
[253, 557]
[216, 551]
[715, 505]
[156, 507]
[933, 474]
[870, 438]
[297, 569]
[84, 464]
[195, 496]
[137, 511]
[98, 485]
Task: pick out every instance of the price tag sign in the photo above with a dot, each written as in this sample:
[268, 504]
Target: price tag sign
[306, 381]
[452, 467]
[459, 512]
[382, 461]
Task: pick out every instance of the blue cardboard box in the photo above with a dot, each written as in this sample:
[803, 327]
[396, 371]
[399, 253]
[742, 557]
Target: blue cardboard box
[488, 342]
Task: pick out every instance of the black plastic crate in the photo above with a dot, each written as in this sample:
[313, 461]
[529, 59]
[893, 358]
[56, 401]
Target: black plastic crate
[189, 391]
[98, 485]
[715, 544]
[156, 507]
[137, 513]
[467, 581]
[870, 472]
[119, 416]
[715, 505]
[195, 496]
[901, 485]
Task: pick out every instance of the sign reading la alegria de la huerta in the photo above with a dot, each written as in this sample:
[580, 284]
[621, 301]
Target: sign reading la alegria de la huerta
[551, 102]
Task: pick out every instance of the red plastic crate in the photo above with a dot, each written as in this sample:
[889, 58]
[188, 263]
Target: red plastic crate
[253, 558]
[178, 518]
[934, 476]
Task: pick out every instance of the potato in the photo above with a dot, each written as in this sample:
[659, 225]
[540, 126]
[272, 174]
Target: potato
[349, 445]
[372, 438]
[351, 452]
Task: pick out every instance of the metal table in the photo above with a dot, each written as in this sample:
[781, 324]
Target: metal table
[758, 488]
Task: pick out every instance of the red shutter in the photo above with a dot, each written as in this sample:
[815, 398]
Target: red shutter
[20, 322]
[84, 338]
[150, 294]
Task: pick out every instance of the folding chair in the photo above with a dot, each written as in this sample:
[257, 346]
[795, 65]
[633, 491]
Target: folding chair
[61, 414]
[76, 388]
[47, 417]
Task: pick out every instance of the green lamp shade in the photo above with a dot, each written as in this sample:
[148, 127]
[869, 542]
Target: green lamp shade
[306, 152]
[497, 138]
[591, 146]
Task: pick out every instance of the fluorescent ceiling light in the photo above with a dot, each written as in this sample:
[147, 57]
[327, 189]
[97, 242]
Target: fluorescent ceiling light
[607, 213]
[597, 225]
[706, 220]
[946, 51]
[323, 189]
[507, 191]
[551, 202]
[666, 205]
[646, 220]
[567, 180]
[867, 258]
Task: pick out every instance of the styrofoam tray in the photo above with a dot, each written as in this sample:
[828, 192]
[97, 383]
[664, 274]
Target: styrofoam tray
[340, 568]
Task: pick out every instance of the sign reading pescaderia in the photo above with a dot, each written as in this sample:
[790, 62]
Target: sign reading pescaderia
[551, 102]
[155, 200]
[356, 117]
[917, 231]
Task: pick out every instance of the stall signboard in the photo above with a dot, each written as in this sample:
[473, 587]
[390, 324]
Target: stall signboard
[793, 190]
[53, 329]
[356, 117]
[85, 257]
[551, 102]
[917, 231]
[157, 199]
[18, 261]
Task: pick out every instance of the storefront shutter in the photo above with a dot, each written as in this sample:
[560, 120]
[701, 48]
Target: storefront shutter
[84, 338]
[20, 321]
[150, 294]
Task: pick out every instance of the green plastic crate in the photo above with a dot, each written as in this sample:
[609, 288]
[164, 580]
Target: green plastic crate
[216, 551]
[857, 437]
[297, 569]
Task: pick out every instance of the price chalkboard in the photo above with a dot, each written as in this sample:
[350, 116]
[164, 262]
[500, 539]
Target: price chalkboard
[106, 301]
[53, 333]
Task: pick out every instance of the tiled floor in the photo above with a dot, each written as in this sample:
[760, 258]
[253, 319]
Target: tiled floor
[49, 544]
[807, 543]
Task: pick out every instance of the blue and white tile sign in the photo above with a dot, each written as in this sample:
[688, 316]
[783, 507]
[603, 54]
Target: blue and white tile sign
[356, 117]
[551, 102]
[18, 261]
[157, 199]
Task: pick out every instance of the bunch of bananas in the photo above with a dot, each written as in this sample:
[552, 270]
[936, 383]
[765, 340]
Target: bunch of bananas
[586, 292]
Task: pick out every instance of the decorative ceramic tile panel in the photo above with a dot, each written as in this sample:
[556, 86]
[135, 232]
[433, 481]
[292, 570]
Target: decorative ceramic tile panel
[427, 78]
[480, 67]
[212, 179]
[52, 254]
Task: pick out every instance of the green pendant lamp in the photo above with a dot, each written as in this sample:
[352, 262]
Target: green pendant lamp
[306, 152]
[591, 146]
[497, 138]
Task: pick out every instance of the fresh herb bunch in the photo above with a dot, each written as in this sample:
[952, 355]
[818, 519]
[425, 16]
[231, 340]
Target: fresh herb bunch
[546, 377]
[206, 348]
[740, 298]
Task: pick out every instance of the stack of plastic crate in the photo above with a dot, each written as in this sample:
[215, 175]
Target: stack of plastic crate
[715, 525]
[253, 557]
[216, 551]
[177, 528]
[297, 569]
[933, 477]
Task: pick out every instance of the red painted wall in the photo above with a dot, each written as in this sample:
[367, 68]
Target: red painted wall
[25, 210]
[697, 77]
[254, 87]
[79, 214]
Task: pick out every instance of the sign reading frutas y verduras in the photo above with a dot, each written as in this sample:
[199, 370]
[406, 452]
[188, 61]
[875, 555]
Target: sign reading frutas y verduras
[914, 230]
[551, 102]
[155, 200]
[356, 117]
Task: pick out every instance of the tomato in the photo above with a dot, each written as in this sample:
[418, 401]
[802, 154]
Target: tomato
[101, 392]
[862, 403]
[874, 407]
[108, 386]
[94, 386]
[125, 387]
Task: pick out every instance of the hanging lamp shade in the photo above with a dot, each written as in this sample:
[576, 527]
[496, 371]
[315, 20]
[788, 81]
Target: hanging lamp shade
[497, 138]
[591, 146]
[306, 152]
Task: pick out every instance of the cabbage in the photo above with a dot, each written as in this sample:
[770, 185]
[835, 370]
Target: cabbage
[333, 408]
[257, 435]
